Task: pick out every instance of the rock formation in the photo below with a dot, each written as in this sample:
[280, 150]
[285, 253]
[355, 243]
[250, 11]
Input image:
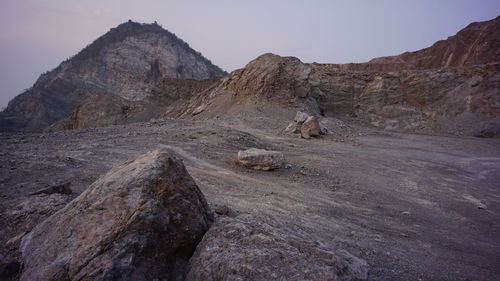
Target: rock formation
[127, 62]
[460, 97]
[104, 110]
[140, 221]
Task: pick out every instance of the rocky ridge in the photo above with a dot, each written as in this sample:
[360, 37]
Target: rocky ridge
[459, 101]
[478, 43]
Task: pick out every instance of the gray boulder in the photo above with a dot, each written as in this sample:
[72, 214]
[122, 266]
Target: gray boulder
[260, 159]
[140, 221]
[248, 248]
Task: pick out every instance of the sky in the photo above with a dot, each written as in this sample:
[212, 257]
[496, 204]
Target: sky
[37, 35]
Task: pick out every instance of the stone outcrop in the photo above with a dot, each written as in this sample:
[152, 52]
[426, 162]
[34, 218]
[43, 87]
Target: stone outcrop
[105, 110]
[128, 61]
[140, 221]
[246, 248]
[260, 159]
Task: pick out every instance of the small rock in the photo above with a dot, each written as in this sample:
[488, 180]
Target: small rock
[300, 117]
[293, 127]
[322, 129]
[310, 128]
[224, 210]
[260, 159]
[199, 109]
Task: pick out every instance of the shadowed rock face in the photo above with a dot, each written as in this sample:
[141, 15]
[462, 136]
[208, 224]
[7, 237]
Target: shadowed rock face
[140, 221]
[127, 61]
[104, 110]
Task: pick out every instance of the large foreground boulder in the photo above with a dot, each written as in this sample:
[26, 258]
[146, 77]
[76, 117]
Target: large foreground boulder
[260, 159]
[140, 221]
[251, 249]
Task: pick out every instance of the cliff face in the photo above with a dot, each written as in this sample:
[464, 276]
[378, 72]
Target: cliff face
[478, 43]
[460, 101]
[127, 62]
[452, 87]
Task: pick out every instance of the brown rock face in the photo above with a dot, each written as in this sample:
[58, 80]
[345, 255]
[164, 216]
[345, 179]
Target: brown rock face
[478, 43]
[245, 248]
[140, 221]
[457, 101]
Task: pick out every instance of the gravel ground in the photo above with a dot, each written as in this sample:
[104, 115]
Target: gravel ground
[415, 207]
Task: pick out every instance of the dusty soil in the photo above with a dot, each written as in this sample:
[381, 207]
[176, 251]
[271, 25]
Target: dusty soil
[415, 207]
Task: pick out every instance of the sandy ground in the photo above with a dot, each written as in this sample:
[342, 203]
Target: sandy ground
[415, 207]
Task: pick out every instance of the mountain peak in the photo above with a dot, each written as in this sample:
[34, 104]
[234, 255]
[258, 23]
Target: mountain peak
[127, 61]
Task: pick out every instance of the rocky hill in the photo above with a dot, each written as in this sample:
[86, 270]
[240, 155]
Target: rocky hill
[127, 62]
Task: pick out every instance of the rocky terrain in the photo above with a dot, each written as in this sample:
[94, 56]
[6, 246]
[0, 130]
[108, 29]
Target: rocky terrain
[281, 170]
[413, 207]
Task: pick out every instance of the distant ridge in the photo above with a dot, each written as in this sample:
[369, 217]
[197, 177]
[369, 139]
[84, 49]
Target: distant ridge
[478, 43]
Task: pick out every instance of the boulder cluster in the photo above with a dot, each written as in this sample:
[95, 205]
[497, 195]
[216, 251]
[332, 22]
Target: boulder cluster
[306, 125]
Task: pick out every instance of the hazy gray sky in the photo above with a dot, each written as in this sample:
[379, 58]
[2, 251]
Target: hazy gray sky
[36, 35]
